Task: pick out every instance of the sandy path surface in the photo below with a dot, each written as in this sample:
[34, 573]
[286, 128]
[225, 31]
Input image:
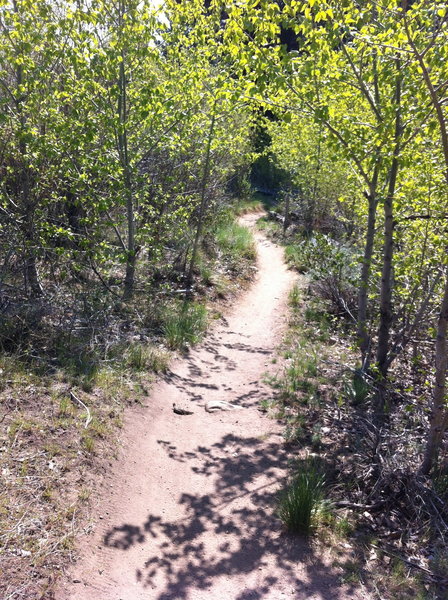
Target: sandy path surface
[187, 510]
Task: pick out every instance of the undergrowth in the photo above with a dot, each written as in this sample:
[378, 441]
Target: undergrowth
[52, 436]
[379, 510]
[67, 373]
[331, 266]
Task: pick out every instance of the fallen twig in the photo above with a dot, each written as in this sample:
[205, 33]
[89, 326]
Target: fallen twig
[347, 504]
[81, 403]
[433, 578]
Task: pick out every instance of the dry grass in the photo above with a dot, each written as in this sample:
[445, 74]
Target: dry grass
[51, 452]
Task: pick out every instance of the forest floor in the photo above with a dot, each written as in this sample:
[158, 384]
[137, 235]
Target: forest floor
[188, 509]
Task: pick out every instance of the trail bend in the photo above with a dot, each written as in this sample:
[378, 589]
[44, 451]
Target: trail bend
[187, 509]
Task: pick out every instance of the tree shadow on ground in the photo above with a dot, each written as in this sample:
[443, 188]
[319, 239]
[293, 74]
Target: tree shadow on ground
[194, 379]
[231, 532]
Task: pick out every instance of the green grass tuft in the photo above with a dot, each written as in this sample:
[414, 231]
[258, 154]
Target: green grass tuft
[356, 390]
[294, 258]
[235, 242]
[243, 207]
[184, 326]
[295, 297]
[299, 502]
[142, 357]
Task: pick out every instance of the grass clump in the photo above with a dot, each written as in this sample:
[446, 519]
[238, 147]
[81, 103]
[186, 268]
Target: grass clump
[235, 242]
[88, 443]
[343, 527]
[299, 373]
[356, 390]
[205, 268]
[295, 297]
[294, 429]
[300, 500]
[142, 357]
[185, 325]
[294, 258]
[243, 207]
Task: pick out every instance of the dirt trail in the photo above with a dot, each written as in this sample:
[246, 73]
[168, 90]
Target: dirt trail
[187, 510]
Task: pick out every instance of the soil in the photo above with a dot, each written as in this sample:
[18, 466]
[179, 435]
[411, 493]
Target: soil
[188, 509]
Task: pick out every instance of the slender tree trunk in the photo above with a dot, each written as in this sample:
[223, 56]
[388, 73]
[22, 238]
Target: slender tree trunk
[362, 331]
[386, 310]
[364, 338]
[32, 281]
[31, 275]
[363, 334]
[439, 415]
[30, 264]
[131, 257]
[203, 204]
[310, 217]
[286, 217]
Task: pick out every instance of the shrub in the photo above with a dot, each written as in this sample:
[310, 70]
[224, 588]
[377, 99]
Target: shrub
[332, 267]
[17, 324]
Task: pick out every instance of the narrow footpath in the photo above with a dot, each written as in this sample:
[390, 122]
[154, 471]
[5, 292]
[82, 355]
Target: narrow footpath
[187, 511]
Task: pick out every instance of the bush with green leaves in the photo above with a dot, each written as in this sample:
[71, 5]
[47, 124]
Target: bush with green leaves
[332, 266]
